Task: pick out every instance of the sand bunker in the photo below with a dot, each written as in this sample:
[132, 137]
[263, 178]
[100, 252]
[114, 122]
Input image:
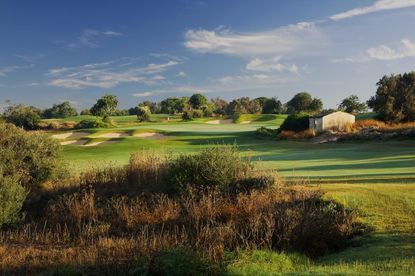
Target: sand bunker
[70, 135]
[220, 122]
[113, 135]
[93, 144]
[73, 142]
[150, 135]
[245, 122]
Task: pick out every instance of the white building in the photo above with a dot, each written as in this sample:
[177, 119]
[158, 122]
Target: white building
[336, 120]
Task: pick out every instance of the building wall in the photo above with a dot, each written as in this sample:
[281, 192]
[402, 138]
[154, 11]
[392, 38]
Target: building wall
[316, 124]
[338, 120]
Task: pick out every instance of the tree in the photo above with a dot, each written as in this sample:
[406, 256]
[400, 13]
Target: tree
[395, 98]
[27, 117]
[219, 106]
[197, 101]
[272, 106]
[296, 122]
[62, 110]
[173, 105]
[352, 104]
[243, 105]
[143, 113]
[151, 105]
[86, 111]
[105, 106]
[303, 102]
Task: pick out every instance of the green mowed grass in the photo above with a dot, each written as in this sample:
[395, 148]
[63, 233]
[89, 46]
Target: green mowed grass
[352, 162]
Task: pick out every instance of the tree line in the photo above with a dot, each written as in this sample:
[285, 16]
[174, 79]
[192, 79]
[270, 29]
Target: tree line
[394, 101]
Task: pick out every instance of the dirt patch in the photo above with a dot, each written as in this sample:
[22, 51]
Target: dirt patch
[113, 135]
[70, 135]
[74, 142]
[220, 122]
[94, 144]
[150, 135]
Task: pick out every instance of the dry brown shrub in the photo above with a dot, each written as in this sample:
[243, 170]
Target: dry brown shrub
[306, 134]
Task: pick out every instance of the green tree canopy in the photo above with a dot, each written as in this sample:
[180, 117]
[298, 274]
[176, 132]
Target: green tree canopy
[61, 110]
[197, 101]
[352, 104]
[395, 98]
[27, 117]
[303, 102]
[105, 106]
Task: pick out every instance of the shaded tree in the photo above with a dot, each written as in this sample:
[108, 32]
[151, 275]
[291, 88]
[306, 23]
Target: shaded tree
[352, 104]
[395, 98]
[272, 106]
[303, 102]
[219, 106]
[27, 117]
[197, 101]
[62, 110]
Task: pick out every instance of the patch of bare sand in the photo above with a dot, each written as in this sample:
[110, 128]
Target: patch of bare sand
[113, 135]
[70, 135]
[245, 122]
[220, 122]
[74, 142]
[93, 144]
[150, 135]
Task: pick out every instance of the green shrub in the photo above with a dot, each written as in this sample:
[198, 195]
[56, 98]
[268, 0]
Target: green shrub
[143, 113]
[92, 123]
[27, 117]
[180, 262]
[12, 196]
[266, 132]
[296, 122]
[214, 167]
[197, 113]
[31, 157]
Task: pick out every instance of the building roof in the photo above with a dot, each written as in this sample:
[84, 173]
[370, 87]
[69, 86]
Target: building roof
[328, 112]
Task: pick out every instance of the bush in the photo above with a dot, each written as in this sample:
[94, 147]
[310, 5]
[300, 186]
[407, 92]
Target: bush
[31, 157]
[288, 134]
[12, 196]
[296, 122]
[27, 117]
[180, 262]
[215, 167]
[92, 123]
[143, 113]
[266, 132]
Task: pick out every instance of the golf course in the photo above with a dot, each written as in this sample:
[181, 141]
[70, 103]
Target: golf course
[376, 178]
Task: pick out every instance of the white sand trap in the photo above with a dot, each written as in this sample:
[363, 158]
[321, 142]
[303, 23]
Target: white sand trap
[245, 122]
[113, 135]
[99, 143]
[220, 122]
[150, 135]
[74, 142]
[71, 134]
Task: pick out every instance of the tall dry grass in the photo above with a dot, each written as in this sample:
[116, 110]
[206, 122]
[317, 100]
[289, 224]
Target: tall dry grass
[109, 218]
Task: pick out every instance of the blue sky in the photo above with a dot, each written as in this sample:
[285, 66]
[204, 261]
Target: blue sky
[51, 51]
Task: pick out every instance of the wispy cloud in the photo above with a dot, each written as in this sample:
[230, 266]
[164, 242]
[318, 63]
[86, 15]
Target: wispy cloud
[89, 38]
[30, 58]
[4, 71]
[271, 65]
[108, 74]
[182, 74]
[404, 49]
[291, 39]
[143, 94]
[379, 5]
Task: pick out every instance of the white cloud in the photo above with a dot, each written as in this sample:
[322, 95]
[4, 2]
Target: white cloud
[107, 74]
[379, 5]
[291, 39]
[89, 38]
[271, 65]
[4, 71]
[182, 74]
[405, 49]
[143, 94]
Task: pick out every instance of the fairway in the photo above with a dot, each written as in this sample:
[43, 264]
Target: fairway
[368, 162]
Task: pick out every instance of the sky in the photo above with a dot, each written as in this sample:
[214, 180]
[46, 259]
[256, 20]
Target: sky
[53, 51]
